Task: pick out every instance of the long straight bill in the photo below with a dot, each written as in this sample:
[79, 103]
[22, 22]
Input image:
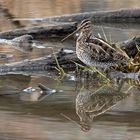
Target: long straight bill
[71, 34]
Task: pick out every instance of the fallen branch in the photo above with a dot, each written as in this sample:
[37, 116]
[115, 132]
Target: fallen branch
[130, 46]
[68, 23]
[66, 60]
[44, 31]
[121, 16]
[22, 43]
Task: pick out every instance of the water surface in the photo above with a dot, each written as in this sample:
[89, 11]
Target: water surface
[55, 118]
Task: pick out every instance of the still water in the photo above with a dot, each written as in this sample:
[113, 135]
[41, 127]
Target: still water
[61, 115]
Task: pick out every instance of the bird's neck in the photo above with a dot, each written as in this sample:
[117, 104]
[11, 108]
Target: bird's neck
[84, 36]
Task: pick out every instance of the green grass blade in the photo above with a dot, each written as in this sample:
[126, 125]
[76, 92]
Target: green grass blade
[98, 89]
[104, 34]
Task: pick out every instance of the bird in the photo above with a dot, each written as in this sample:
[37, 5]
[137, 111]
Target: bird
[95, 51]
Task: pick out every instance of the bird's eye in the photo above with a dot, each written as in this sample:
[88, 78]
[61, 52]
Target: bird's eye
[84, 22]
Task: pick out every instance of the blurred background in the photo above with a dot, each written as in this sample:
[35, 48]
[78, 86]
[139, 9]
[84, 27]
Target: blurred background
[45, 8]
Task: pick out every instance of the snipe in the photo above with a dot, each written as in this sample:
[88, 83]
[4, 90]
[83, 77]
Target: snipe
[94, 51]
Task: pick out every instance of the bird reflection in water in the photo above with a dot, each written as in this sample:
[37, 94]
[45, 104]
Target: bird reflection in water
[91, 104]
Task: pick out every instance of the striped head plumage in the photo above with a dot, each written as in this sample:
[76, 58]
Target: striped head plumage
[85, 26]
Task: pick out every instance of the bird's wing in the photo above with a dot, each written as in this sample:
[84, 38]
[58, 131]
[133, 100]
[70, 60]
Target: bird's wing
[98, 53]
[101, 42]
[98, 48]
[115, 48]
[106, 48]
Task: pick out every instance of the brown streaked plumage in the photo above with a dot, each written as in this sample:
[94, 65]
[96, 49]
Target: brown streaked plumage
[94, 51]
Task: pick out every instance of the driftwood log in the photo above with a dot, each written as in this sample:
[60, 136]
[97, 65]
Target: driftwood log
[65, 59]
[44, 31]
[61, 25]
[121, 16]
[22, 43]
[130, 46]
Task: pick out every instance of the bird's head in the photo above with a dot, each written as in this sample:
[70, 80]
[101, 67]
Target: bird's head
[84, 26]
